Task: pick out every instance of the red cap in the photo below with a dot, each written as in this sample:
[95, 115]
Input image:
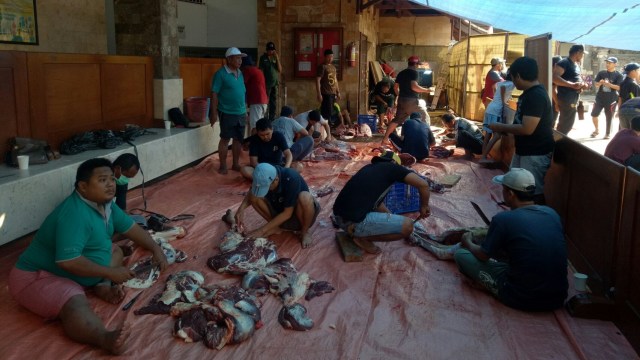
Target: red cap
[414, 59]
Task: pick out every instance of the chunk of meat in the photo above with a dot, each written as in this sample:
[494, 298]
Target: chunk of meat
[248, 255]
[295, 317]
[317, 288]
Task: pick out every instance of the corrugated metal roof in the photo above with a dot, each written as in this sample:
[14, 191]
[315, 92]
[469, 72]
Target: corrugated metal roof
[606, 23]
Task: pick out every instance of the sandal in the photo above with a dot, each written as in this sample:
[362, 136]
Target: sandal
[594, 134]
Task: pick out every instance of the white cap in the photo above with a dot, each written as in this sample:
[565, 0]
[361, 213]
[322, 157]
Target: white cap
[517, 179]
[234, 51]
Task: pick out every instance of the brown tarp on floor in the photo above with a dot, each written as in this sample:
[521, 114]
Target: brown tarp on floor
[403, 304]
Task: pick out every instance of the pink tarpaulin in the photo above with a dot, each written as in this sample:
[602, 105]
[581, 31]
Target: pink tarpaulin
[402, 304]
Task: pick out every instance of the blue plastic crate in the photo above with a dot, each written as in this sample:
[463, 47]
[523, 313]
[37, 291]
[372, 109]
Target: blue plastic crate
[402, 198]
[371, 120]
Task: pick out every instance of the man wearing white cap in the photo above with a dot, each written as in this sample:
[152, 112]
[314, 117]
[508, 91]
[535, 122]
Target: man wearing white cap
[608, 83]
[281, 196]
[228, 104]
[534, 275]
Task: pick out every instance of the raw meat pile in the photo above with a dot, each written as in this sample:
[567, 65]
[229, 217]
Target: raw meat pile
[336, 150]
[215, 315]
[146, 272]
[263, 272]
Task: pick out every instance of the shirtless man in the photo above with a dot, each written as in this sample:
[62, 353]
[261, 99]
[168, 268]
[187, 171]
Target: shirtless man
[73, 251]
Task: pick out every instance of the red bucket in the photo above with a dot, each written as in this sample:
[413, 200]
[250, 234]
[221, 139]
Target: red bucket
[197, 108]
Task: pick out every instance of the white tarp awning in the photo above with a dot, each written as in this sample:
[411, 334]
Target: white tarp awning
[605, 23]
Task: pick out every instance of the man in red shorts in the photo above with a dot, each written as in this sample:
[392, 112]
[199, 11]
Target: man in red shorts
[72, 252]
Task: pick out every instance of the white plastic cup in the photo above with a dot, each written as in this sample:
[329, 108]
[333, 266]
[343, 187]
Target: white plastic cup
[167, 125]
[23, 162]
[580, 281]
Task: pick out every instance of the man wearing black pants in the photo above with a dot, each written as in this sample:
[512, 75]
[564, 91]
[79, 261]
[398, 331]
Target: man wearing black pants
[566, 76]
[327, 85]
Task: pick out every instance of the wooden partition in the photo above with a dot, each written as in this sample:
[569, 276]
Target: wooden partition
[14, 96]
[197, 74]
[72, 93]
[53, 96]
[628, 292]
[586, 190]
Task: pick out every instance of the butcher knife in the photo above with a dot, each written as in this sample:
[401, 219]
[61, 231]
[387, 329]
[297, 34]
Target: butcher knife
[481, 213]
[128, 305]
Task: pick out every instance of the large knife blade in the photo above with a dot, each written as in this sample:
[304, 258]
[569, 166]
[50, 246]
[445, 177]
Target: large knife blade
[481, 213]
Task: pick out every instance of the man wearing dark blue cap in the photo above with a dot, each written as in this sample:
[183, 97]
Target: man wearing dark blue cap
[282, 197]
[607, 83]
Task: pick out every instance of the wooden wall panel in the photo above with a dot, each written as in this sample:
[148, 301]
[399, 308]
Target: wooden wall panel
[14, 94]
[586, 190]
[72, 96]
[197, 74]
[191, 80]
[628, 292]
[124, 95]
[72, 93]
[208, 70]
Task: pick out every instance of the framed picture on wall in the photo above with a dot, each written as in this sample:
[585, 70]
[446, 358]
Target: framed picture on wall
[18, 22]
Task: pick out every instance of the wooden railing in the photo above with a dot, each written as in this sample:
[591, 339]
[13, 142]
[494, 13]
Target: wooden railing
[53, 96]
[599, 203]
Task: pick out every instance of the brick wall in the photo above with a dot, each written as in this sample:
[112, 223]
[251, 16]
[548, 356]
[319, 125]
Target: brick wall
[68, 26]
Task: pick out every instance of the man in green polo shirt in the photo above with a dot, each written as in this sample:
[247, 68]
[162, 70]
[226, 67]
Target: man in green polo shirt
[72, 251]
[228, 104]
[270, 65]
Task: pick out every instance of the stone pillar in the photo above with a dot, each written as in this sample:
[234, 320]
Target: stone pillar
[150, 28]
[270, 29]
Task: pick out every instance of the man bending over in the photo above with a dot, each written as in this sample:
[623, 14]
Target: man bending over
[282, 197]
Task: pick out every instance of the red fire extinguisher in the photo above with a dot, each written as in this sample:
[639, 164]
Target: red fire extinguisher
[352, 55]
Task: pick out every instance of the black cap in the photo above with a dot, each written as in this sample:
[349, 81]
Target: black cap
[247, 61]
[271, 46]
[328, 52]
[286, 111]
[577, 48]
[631, 66]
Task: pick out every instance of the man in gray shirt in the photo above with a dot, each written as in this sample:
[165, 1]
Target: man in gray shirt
[291, 129]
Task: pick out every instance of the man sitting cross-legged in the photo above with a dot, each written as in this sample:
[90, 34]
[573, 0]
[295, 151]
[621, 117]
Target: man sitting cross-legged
[359, 208]
[282, 197]
[73, 251]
